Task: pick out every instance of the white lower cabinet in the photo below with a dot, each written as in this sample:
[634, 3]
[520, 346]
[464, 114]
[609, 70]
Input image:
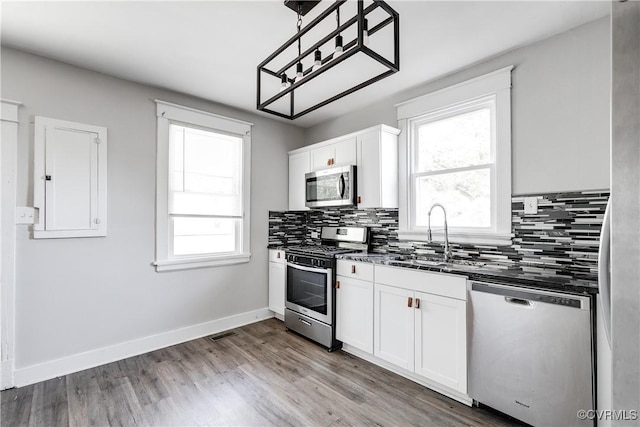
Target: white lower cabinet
[354, 305]
[411, 319]
[354, 313]
[393, 328]
[277, 271]
[441, 340]
[420, 324]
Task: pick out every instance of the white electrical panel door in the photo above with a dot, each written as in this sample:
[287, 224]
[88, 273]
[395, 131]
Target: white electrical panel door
[70, 179]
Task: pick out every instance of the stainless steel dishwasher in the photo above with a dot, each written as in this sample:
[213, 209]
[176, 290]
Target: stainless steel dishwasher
[531, 353]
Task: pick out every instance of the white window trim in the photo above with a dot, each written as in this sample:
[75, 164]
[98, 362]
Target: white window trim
[167, 113]
[498, 84]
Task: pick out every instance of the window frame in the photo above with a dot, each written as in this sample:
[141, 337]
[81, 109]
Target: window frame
[446, 103]
[167, 114]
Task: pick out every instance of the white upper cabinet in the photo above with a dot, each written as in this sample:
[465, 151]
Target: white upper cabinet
[374, 151]
[299, 165]
[70, 179]
[378, 168]
[340, 153]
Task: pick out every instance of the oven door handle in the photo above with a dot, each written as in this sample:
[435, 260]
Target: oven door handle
[310, 269]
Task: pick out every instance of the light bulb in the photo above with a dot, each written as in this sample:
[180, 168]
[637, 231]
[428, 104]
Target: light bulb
[365, 33]
[284, 82]
[299, 74]
[339, 49]
[317, 63]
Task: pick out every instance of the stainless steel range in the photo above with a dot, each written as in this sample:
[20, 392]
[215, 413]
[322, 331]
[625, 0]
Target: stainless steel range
[310, 292]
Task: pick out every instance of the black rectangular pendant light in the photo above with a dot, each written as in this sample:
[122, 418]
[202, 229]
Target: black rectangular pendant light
[283, 75]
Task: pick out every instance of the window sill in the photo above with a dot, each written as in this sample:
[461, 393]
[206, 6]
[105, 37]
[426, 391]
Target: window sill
[493, 239]
[200, 262]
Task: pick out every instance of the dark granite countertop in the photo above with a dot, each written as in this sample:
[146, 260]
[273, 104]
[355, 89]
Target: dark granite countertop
[277, 247]
[483, 272]
[536, 278]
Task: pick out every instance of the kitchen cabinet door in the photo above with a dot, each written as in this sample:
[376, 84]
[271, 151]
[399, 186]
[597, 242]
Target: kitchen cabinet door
[277, 280]
[341, 153]
[441, 343]
[299, 165]
[377, 152]
[354, 312]
[394, 325]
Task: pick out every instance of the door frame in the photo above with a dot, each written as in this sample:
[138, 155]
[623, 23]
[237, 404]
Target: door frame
[8, 175]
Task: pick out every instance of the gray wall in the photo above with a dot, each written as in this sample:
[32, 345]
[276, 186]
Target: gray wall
[76, 295]
[560, 110]
[625, 209]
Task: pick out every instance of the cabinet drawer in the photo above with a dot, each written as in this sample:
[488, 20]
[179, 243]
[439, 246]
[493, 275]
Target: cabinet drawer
[447, 285]
[276, 255]
[355, 270]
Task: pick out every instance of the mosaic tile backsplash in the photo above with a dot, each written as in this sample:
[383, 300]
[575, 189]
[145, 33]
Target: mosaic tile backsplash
[562, 238]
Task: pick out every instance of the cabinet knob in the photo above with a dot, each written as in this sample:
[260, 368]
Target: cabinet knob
[353, 269]
[328, 162]
[417, 302]
[409, 302]
[337, 284]
[277, 254]
[359, 199]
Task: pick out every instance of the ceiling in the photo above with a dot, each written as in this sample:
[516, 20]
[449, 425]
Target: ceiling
[210, 49]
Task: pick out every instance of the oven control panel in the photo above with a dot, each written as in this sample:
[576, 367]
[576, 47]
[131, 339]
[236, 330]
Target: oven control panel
[309, 261]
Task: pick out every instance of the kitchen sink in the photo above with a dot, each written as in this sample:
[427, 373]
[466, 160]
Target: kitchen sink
[448, 265]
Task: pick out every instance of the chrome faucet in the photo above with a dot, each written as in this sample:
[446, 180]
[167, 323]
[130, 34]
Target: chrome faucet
[447, 250]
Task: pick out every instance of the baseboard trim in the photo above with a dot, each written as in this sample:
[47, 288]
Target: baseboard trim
[453, 394]
[90, 359]
[6, 374]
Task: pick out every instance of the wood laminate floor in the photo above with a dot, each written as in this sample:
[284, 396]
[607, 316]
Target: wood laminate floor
[258, 375]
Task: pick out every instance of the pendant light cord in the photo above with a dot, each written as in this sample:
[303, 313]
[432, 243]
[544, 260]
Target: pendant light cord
[299, 27]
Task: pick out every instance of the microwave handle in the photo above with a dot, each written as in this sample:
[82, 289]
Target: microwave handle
[341, 186]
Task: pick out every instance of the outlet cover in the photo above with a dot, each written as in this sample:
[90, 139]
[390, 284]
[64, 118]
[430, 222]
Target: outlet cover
[530, 205]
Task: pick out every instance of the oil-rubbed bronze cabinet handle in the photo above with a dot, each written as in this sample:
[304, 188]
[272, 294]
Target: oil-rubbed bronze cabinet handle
[359, 199]
[328, 162]
[409, 302]
[417, 302]
[277, 254]
[353, 269]
[337, 284]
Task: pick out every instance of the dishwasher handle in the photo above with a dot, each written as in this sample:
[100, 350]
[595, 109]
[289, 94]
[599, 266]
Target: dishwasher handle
[518, 301]
[525, 296]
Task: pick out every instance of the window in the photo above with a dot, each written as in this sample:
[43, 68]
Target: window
[456, 152]
[203, 189]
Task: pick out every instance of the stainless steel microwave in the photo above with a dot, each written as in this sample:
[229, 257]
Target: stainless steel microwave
[331, 187]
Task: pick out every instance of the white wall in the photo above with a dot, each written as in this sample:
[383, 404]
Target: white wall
[560, 110]
[80, 295]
